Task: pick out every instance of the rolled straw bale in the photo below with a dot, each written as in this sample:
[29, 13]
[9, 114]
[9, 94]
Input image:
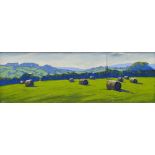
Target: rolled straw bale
[83, 81]
[71, 80]
[113, 85]
[133, 80]
[29, 83]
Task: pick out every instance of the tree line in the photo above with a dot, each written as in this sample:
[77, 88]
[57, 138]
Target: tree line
[109, 73]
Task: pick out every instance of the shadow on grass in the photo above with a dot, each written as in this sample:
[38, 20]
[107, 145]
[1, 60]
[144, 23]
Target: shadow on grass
[31, 86]
[122, 90]
[139, 83]
[126, 91]
[85, 85]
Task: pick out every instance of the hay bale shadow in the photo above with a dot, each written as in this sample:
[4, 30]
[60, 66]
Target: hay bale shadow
[32, 87]
[139, 83]
[126, 91]
[86, 85]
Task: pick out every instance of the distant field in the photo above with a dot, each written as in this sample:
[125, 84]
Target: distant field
[63, 91]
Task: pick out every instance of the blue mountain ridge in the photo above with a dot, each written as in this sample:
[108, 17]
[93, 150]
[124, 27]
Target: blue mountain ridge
[16, 69]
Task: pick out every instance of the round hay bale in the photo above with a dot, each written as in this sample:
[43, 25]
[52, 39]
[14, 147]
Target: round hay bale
[83, 82]
[133, 80]
[92, 77]
[120, 79]
[113, 85]
[22, 82]
[126, 77]
[29, 83]
[71, 80]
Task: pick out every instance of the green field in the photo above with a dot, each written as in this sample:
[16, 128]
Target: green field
[65, 92]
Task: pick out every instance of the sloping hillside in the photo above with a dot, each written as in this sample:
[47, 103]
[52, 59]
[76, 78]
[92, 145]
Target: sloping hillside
[140, 66]
[12, 70]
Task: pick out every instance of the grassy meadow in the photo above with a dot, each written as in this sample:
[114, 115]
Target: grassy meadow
[62, 91]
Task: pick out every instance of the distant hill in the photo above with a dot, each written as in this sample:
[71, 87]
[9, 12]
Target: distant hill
[53, 70]
[142, 66]
[29, 65]
[121, 65]
[128, 66]
[11, 70]
[95, 69]
[22, 65]
[12, 64]
[72, 69]
[102, 68]
[153, 66]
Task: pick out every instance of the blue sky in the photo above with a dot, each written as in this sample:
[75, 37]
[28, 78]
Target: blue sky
[80, 60]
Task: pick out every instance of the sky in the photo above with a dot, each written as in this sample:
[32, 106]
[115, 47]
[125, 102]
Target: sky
[77, 59]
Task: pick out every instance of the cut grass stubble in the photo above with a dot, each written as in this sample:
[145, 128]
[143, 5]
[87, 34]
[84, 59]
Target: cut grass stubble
[63, 91]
